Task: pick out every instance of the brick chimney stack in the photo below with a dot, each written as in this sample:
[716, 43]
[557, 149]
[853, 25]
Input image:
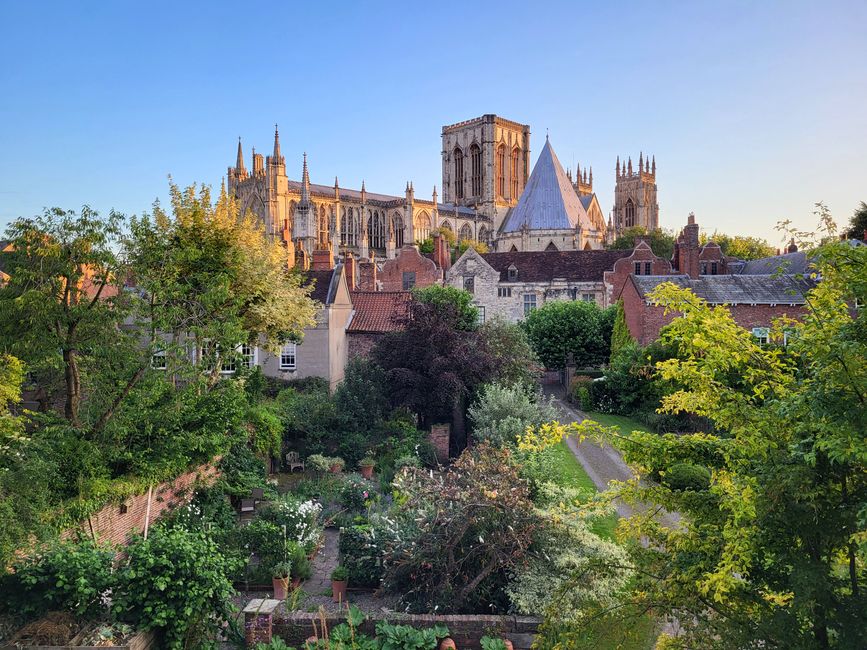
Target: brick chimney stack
[792, 247]
[350, 270]
[688, 248]
[323, 259]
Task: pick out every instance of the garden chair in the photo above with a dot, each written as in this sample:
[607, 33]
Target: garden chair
[293, 460]
[248, 505]
[257, 494]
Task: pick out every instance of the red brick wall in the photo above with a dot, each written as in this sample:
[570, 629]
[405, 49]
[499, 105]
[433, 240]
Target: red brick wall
[409, 259]
[616, 279]
[112, 525]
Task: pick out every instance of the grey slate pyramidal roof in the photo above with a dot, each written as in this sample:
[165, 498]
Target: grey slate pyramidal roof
[548, 202]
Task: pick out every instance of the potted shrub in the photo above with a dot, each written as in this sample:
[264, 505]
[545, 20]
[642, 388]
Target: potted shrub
[339, 579]
[301, 568]
[447, 644]
[319, 463]
[366, 466]
[337, 464]
[280, 579]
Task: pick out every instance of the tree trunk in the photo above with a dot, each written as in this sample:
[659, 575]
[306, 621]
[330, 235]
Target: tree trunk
[73, 385]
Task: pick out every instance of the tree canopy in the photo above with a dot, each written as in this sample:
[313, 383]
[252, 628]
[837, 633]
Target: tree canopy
[739, 246]
[858, 223]
[561, 330]
[661, 241]
[449, 299]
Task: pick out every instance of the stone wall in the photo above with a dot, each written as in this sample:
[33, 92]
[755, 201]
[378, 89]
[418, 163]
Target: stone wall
[116, 522]
[466, 631]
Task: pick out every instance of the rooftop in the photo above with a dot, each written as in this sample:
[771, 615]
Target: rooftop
[545, 266]
[379, 311]
[548, 202]
[734, 289]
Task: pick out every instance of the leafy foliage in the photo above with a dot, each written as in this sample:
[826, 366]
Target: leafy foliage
[450, 301]
[661, 241]
[620, 336]
[858, 223]
[739, 246]
[508, 342]
[560, 330]
[502, 413]
[175, 582]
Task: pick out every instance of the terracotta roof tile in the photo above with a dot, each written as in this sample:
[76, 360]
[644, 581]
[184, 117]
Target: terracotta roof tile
[545, 266]
[378, 311]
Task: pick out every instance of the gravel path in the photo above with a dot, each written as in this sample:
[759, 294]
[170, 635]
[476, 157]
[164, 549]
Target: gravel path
[602, 463]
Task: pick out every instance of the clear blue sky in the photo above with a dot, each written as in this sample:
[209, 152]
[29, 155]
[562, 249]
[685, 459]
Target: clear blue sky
[754, 110]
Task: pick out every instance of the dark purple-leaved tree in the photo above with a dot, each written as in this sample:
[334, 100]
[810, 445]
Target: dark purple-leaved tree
[433, 367]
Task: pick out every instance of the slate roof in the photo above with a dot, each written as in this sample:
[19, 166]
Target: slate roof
[734, 289]
[545, 266]
[379, 311]
[548, 202]
[790, 263]
[325, 284]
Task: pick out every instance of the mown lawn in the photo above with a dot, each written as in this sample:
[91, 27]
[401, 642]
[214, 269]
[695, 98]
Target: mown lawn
[567, 471]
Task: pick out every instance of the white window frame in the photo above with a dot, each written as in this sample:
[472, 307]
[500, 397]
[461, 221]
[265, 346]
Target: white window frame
[294, 364]
[504, 292]
[158, 353]
[530, 303]
[480, 320]
[249, 357]
[588, 297]
[762, 334]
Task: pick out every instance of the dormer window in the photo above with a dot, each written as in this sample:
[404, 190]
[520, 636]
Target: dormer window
[513, 272]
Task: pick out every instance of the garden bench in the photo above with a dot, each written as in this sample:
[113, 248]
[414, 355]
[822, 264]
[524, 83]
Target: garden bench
[248, 505]
[257, 494]
[293, 460]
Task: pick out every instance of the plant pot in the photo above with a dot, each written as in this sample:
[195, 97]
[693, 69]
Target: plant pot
[338, 591]
[296, 582]
[281, 587]
[366, 471]
[508, 644]
[447, 644]
[335, 469]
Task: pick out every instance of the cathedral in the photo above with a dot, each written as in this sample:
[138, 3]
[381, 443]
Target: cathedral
[489, 195]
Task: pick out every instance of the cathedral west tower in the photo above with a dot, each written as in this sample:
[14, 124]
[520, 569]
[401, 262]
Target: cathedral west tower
[635, 195]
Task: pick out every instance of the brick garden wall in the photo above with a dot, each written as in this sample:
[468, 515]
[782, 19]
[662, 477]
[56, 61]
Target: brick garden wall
[466, 631]
[115, 523]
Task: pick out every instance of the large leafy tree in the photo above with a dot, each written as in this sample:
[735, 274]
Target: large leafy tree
[63, 302]
[858, 223]
[771, 551]
[434, 366]
[508, 342]
[661, 241]
[740, 246]
[450, 299]
[562, 330]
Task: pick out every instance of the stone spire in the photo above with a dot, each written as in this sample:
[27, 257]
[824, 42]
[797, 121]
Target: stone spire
[277, 156]
[640, 162]
[653, 168]
[305, 177]
[239, 161]
[591, 175]
[618, 166]
[630, 165]
[435, 197]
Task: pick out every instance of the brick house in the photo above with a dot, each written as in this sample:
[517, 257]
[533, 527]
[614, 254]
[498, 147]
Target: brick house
[375, 314]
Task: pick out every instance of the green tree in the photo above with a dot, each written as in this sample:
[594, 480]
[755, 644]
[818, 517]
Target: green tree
[479, 246]
[502, 413]
[11, 378]
[620, 336]
[772, 552]
[739, 246]
[661, 241]
[448, 297]
[858, 223]
[508, 342]
[564, 329]
[63, 303]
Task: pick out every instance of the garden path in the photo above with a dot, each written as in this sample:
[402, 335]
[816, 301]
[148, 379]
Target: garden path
[324, 563]
[602, 463]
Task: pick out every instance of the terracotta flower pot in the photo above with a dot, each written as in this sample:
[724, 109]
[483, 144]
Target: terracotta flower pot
[311, 642]
[366, 471]
[338, 591]
[447, 644]
[335, 469]
[296, 582]
[281, 586]
[508, 644]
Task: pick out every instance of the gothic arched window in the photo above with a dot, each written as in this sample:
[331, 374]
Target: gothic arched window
[630, 213]
[447, 226]
[376, 230]
[422, 226]
[323, 227]
[501, 170]
[466, 232]
[476, 163]
[397, 225]
[513, 173]
[459, 174]
[483, 234]
[344, 227]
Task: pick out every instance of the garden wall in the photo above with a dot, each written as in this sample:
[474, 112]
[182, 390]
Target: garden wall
[116, 522]
[466, 631]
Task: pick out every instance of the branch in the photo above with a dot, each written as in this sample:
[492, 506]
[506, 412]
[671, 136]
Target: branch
[106, 416]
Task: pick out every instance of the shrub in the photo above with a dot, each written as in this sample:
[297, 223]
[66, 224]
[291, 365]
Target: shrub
[319, 463]
[266, 540]
[266, 430]
[301, 566]
[362, 548]
[67, 576]
[300, 519]
[339, 574]
[502, 413]
[241, 471]
[403, 637]
[579, 392]
[356, 491]
[684, 476]
[175, 582]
